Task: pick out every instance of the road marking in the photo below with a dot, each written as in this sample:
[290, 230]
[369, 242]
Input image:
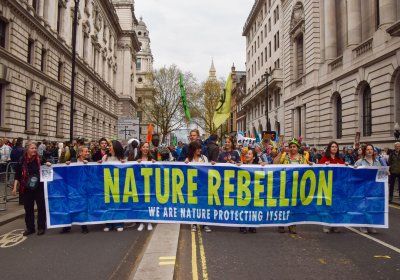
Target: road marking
[393, 206]
[12, 238]
[382, 257]
[167, 263]
[167, 258]
[203, 256]
[376, 240]
[195, 273]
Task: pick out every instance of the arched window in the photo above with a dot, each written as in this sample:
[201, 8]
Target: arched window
[366, 111]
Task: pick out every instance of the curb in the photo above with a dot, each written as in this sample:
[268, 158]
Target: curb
[9, 217]
[158, 261]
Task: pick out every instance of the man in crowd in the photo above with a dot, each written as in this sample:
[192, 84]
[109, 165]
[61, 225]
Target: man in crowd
[5, 150]
[394, 169]
[193, 136]
[102, 151]
[212, 148]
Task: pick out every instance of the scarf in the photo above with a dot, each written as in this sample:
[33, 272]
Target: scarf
[25, 173]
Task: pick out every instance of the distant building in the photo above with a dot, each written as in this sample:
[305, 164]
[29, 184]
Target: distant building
[35, 68]
[236, 100]
[144, 78]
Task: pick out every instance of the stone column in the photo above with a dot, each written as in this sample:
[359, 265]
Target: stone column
[330, 30]
[40, 10]
[387, 12]
[354, 22]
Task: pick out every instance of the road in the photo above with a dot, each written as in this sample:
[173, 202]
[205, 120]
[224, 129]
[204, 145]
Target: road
[96, 255]
[311, 254]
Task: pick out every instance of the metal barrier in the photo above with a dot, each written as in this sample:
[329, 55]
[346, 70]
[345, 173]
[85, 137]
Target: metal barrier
[7, 173]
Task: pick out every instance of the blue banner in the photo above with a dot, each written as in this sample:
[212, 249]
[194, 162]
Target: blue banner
[222, 194]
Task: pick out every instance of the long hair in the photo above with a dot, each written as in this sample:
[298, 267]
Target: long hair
[29, 143]
[118, 149]
[328, 150]
[193, 146]
[140, 154]
[233, 143]
[256, 159]
[364, 150]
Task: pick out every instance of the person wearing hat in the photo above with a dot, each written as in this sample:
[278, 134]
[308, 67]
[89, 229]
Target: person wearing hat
[293, 157]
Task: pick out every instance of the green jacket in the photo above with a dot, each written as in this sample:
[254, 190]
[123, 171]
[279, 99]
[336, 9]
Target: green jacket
[394, 163]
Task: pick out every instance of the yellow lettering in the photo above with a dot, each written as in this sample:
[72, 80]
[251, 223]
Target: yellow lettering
[192, 186]
[259, 188]
[147, 173]
[228, 187]
[325, 188]
[213, 187]
[308, 175]
[130, 190]
[271, 202]
[111, 186]
[162, 198]
[283, 201]
[243, 182]
[294, 187]
[177, 184]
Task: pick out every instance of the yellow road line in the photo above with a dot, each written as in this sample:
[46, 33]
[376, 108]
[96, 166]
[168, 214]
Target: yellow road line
[166, 263]
[393, 206]
[195, 273]
[203, 256]
[167, 258]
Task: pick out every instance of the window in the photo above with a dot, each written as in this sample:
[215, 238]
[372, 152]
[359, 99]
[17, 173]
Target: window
[59, 120]
[139, 64]
[338, 117]
[262, 58]
[266, 56]
[269, 47]
[43, 62]
[3, 30]
[367, 116]
[277, 40]
[28, 110]
[59, 18]
[277, 12]
[60, 71]
[34, 5]
[269, 25]
[85, 46]
[41, 113]
[231, 122]
[85, 85]
[299, 56]
[31, 51]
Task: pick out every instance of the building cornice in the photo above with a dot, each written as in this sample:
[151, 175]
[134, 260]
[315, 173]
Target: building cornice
[252, 16]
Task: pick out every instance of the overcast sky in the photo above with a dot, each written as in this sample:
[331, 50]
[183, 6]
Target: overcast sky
[189, 33]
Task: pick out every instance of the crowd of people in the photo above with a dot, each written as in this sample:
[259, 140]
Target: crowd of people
[266, 152]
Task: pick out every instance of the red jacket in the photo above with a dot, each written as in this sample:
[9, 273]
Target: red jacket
[336, 160]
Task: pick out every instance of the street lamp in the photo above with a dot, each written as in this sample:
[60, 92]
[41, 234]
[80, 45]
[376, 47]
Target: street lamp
[74, 27]
[396, 131]
[266, 99]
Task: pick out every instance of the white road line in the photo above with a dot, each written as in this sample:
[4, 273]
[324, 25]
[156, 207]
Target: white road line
[397, 250]
[395, 207]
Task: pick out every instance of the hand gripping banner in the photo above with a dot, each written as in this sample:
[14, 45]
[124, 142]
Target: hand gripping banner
[222, 194]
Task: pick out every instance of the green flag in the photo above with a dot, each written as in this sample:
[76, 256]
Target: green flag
[185, 107]
[223, 110]
[175, 141]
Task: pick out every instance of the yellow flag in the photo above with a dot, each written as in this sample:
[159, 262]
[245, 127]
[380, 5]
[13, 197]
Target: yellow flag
[223, 110]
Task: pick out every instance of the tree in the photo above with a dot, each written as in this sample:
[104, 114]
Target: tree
[204, 111]
[167, 110]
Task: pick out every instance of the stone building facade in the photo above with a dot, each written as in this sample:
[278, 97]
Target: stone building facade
[263, 34]
[340, 65]
[144, 78]
[35, 68]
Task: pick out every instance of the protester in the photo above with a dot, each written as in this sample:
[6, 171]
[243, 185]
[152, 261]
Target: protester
[331, 157]
[132, 149]
[144, 155]
[212, 148]
[368, 159]
[304, 151]
[194, 155]
[262, 157]
[179, 148]
[230, 155]
[41, 148]
[27, 175]
[394, 169]
[251, 158]
[97, 155]
[193, 136]
[115, 153]
[5, 150]
[83, 158]
[293, 157]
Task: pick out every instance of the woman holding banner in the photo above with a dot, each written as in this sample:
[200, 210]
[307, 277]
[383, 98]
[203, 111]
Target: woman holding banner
[368, 159]
[230, 155]
[293, 157]
[250, 158]
[144, 155]
[115, 153]
[28, 176]
[331, 157]
[194, 155]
